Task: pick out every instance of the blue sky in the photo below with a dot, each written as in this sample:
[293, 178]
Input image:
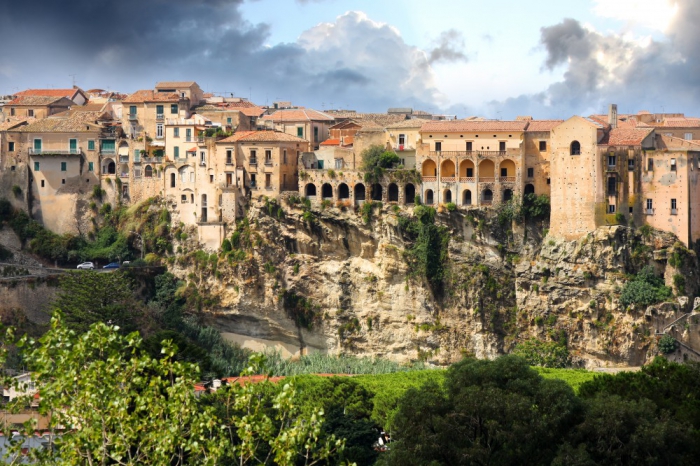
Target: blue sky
[497, 59]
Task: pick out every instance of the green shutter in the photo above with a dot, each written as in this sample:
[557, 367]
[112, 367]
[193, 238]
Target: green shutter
[37, 145]
[108, 145]
[159, 109]
[300, 132]
[63, 166]
[177, 152]
[91, 144]
[137, 155]
[176, 132]
[173, 109]
[36, 166]
[91, 166]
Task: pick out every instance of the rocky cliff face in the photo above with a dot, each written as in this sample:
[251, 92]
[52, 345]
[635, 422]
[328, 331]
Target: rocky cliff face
[327, 281]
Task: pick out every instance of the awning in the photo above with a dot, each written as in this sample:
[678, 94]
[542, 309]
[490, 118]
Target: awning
[157, 143]
[194, 149]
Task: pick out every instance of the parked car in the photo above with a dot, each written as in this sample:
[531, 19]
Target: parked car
[111, 265]
[86, 266]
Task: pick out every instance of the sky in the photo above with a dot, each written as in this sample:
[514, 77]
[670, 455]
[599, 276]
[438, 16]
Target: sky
[496, 59]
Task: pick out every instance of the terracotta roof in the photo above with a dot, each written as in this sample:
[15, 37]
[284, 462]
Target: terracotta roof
[331, 142]
[169, 84]
[37, 100]
[542, 125]
[407, 124]
[672, 142]
[250, 111]
[262, 136]
[12, 122]
[623, 121]
[682, 122]
[459, 126]
[299, 114]
[151, 96]
[626, 136]
[68, 93]
[79, 122]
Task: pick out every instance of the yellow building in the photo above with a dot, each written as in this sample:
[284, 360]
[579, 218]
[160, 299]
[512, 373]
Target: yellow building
[304, 123]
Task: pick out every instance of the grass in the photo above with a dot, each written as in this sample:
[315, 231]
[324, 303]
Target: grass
[573, 377]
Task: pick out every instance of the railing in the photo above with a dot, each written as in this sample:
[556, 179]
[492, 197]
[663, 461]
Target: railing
[253, 162]
[268, 162]
[507, 179]
[487, 179]
[429, 179]
[33, 151]
[464, 153]
[152, 159]
[448, 179]
[133, 116]
[137, 159]
[123, 175]
[486, 202]
[188, 138]
[123, 159]
[108, 151]
[649, 211]
[450, 153]
[491, 153]
[402, 147]
[224, 185]
[159, 116]
[467, 179]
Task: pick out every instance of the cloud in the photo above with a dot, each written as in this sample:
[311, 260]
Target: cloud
[602, 68]
[448, 48]
[131, 44]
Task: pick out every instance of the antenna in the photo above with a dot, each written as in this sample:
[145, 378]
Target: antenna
[73, 76]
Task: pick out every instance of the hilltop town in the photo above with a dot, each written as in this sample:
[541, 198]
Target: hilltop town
[207, 156]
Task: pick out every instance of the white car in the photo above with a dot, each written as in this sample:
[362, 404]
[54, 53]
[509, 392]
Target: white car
[86, 266]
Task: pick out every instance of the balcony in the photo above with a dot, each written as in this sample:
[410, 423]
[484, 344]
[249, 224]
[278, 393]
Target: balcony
[253, 162]
[133, 116]
[160, 116]
[649, 211]
[123, 159]
[403, 147]
[487, 179]
[470, 153]
[429, 179]
[124, 175]
[448, 179]
[104, 151]
[467, 179]
[268, 162]
[507, 179]
[227, 186]
[54, 152]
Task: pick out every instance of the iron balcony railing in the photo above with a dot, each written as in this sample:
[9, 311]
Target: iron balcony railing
[34, 151]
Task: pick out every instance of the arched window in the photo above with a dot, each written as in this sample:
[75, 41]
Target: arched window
[529, 189]
[343, 191]
[310, 190]
[447, 195]
[429, 196]
[393, 193]
[409, 195]
[148, 171]
[467, 197]
[575, 148]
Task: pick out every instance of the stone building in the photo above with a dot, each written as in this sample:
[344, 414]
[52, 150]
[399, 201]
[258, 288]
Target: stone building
[36, 106]
[304, 123]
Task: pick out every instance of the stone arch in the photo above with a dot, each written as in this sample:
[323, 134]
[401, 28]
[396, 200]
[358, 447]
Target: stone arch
[310, 190]
[447, 169]
[507, 169]
[575, 148]
[109, 167]
[148, 171]
[173, 177]
[466, 169]
[326, 191]
[429, 196]
[359, 192]
[486, 196]
[466, 197]
[507, 195]
[393, 192]
[429, 168]
[487, 169]
[409, 194]
[343, 191]
[447, 195]
[377, 192]
[529, 189]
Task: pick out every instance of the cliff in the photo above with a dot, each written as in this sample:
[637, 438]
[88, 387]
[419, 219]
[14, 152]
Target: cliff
[335, 280]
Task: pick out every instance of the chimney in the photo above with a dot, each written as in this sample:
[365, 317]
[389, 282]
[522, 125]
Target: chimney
[612, 116]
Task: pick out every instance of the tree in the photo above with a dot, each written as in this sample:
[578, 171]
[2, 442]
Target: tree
[87, 297]
[375, 159]
[543, 353]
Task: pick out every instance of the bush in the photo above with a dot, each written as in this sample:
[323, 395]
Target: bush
[667, 344]
[451, 206]
[226, 245]
[416, 199]
[645, 288]
[620, 218]
[543, 353]
[16, 190]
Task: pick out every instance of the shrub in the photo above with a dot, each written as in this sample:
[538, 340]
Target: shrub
[331, 173]
[645, 288]
[451, 206]
[543, 353]
[226, 245]
[620, 218]
[679, 283]
[667, 344]
[416, 199]
[16, 190]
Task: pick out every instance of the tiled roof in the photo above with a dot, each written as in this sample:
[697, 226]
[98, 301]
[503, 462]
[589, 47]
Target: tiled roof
[68, 93]
[36, 100]
[406, 124]
[12, 122]
[151, 96]
[682, 122]
[331, 142]
[672, 142]
[262, 136]
[623, 121]
[626, 136]
[169, 84]
[80, 122]
[298, 114]
[250, 111]
[459, 126]
[542, 125]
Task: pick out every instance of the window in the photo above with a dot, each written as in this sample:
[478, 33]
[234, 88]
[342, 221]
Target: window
[11, 146]
[159, 130]
[36, 166]
[188, 134]
[673, 207]
[203, 158]
[42, 183]
[172, 180]
[650, 207]
[252, 180]
[253, 157]
[470, 172]
[673, 165]
[688, 136]
[268, 157]
[12, 168]
[183, 199]
[30, 112]
[211, 178]
[300, 131]
[12, 111]
[549, 181]
[63, 166]
[530, 172]
[91, 166]
[315, 133]
[402, 140]
[338, 163]
[631, 209]
[575, 148]
[173, 109]
[63, 181]
[268, 180]
[543, 146]
[228, 120]
[630, 164]
[469, 146]
[37, 146]
[612, 186]
[284, 157]
[320, 164]
[91, 144]
[229, 157]
[650, 164]
[137, 155]
[192, 198]
[159, 111]
[504, 172]
[611, 208]
[148, 172]
[612, 161]
[132, 110]
[438, 146]
[176, 152]
[502, 146]
[176, 132]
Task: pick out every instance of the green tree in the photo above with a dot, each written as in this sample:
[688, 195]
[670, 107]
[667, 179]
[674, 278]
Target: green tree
[376, 159]
[543, 353]
[645, 288]
[87, 297]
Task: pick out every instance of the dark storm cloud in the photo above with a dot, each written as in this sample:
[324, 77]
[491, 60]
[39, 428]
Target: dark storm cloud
[449, 48]
[604, 68]
[131, 44]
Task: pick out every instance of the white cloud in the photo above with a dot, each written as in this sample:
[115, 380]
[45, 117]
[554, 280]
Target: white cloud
[652, 14]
